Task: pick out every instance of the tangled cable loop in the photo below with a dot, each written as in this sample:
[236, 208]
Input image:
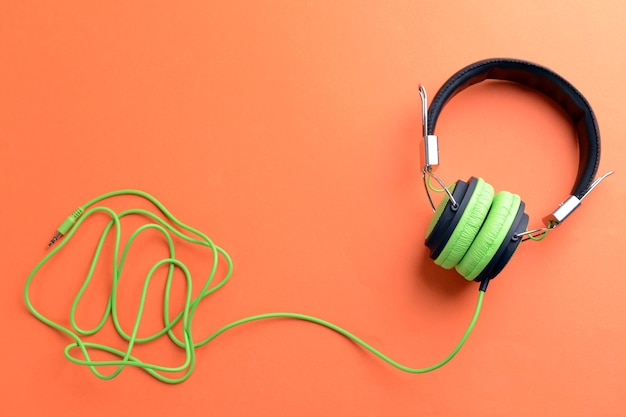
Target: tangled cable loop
[185, 317]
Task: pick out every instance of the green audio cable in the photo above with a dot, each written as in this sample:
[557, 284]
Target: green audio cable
[171, 227]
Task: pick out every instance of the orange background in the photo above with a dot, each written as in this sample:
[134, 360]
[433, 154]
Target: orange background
[289, 131]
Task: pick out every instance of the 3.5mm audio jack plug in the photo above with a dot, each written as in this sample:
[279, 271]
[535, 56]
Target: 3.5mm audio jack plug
[56, 237]
[66, 225]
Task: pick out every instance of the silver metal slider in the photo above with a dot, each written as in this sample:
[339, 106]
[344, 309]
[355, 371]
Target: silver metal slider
[431, 142]
[431, 153]
[568, 206]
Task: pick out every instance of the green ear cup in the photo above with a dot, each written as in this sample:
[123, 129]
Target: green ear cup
[469, 224]
[439, 211]
[491, 236]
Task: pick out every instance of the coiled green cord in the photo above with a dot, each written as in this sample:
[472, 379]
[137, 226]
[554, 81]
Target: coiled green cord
[185, 317]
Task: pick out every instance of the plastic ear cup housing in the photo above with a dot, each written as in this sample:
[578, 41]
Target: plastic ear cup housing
[507, 249]
[469, 225]
[447, 217]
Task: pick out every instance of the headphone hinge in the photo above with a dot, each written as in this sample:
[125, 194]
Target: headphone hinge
[564, 209]
[568, 206]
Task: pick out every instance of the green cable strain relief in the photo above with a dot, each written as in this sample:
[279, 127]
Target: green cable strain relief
[69, 222]
[77, 213]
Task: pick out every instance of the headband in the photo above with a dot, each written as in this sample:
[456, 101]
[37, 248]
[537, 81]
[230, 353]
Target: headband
[553, 86]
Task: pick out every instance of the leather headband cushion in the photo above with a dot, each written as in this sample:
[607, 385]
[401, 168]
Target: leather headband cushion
[544, 81]
[491, 235]
[469, 224]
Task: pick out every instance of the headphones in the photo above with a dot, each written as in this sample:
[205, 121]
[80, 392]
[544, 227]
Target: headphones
[475, 230]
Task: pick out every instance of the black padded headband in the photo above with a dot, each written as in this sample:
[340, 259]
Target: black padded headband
[544, 81]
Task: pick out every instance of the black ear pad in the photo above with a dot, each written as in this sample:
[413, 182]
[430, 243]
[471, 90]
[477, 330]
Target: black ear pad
[508, 246]
[450, 217]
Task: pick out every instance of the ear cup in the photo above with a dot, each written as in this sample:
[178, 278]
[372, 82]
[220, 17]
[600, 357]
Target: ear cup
[447, 216]
[441, 208]
[508, 247]
[469, 224]
[491, 235]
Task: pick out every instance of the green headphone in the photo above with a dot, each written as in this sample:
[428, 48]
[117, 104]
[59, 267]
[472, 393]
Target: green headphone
[472, 230]
[475, 230]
